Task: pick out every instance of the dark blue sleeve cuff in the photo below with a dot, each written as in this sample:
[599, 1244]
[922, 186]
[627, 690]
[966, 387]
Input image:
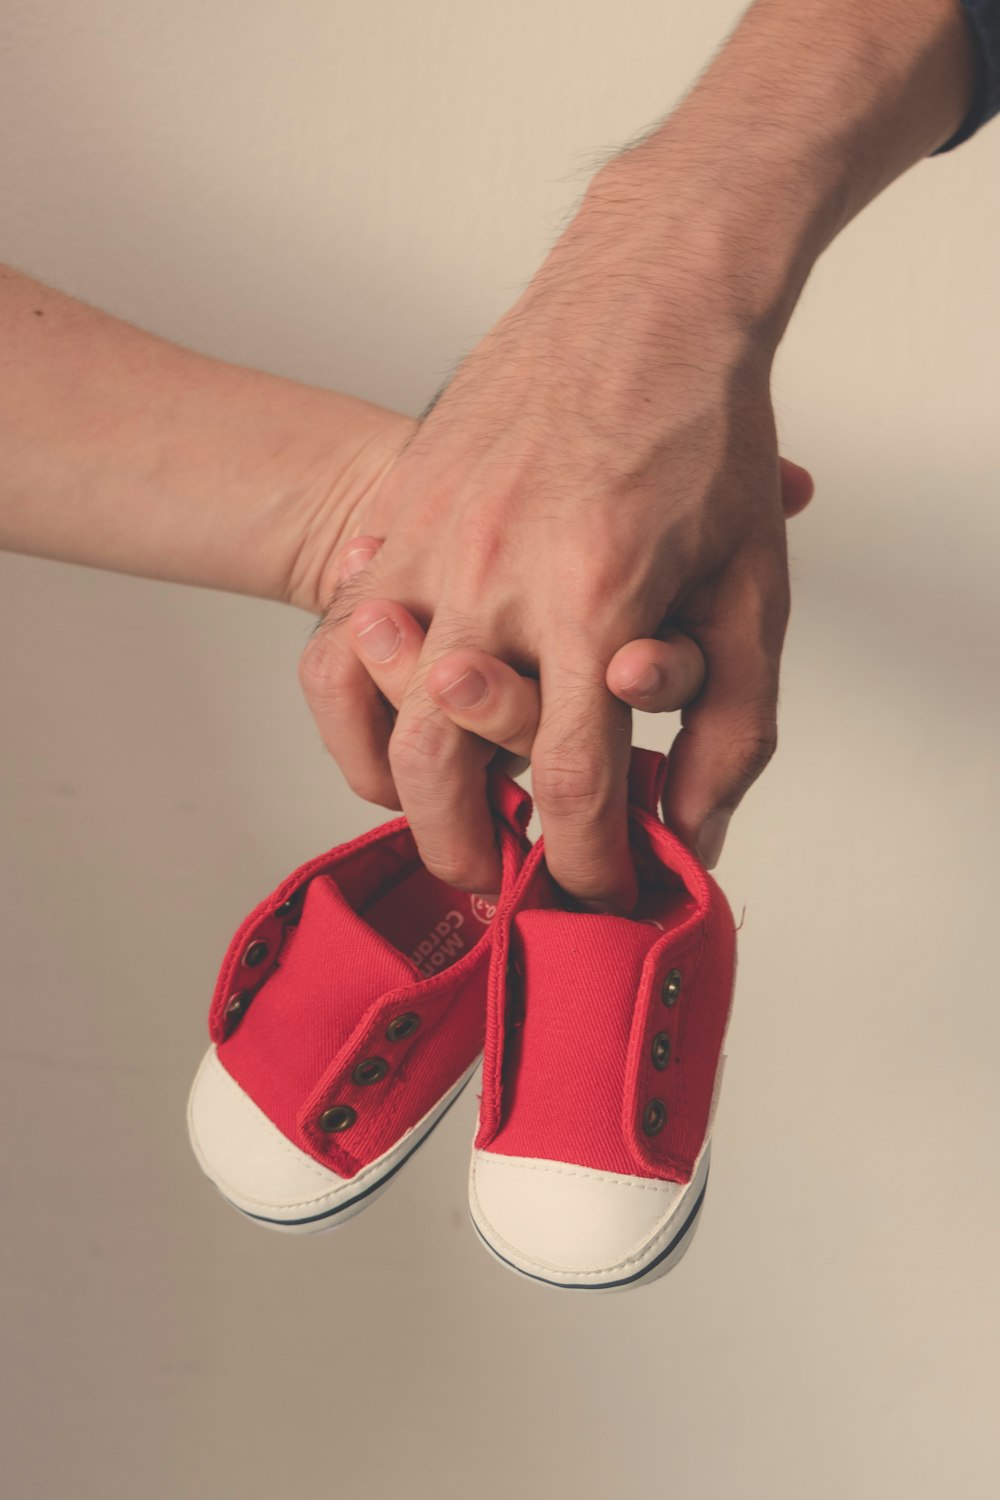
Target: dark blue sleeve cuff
[983, 17]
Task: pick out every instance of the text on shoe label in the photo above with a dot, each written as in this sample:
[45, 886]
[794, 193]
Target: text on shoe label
[442, 943]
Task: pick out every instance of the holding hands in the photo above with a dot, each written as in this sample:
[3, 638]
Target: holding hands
[591, 519]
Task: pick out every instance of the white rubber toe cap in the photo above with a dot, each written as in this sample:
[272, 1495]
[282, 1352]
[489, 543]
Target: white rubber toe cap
[573, 1226]
[256, 1167]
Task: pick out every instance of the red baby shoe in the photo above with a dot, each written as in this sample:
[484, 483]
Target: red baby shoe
[603, 1044]
[348, 1016]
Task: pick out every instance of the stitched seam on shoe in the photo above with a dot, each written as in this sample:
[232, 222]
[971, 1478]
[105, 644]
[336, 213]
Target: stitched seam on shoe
[689, 953]
[613, 1179]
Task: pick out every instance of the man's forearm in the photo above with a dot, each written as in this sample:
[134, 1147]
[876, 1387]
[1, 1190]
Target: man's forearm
[123, 451]
[806, 114]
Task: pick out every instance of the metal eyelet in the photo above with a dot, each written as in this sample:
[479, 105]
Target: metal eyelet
[654, 1117]
[290, 910]
[340, 1117]
[400, 1027]
[671, 987]
[371, 1070]
[237, 1004]
[661, 1050]
[255, 954]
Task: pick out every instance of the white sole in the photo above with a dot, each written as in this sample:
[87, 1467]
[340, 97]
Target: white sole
[666, 1249]
[357, 1193]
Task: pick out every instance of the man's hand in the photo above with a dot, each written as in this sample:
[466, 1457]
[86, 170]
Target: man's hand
[498, 705]
[605, 463]
[604, 466]
[489, 699]
[552, 547]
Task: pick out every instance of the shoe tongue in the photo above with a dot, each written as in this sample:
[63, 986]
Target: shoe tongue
[509, 800]
[572, 1019]
[337, 937]
[584, 963]
[332, 969]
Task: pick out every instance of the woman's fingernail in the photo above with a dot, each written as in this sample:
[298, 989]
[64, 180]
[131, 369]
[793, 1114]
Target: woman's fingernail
[380, 640]
[354, 559]
[467, 691]
[712, 837]
[646, 684]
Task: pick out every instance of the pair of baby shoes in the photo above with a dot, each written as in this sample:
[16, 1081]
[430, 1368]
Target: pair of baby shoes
[354, 1003]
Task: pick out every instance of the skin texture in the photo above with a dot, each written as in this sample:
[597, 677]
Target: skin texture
[604, 468]
[491, 700]
[597, 494]
[123, 451]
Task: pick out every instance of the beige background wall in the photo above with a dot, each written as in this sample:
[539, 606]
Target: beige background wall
[350, 193]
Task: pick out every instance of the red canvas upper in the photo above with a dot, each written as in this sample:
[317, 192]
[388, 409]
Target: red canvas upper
[345, 946]
[577, 1001]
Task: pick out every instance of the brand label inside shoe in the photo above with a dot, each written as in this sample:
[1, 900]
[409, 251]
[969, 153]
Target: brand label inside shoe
[441, 946]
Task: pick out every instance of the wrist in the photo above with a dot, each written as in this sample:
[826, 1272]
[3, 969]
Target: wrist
[808, 112]
[327, 495]
[719, 264]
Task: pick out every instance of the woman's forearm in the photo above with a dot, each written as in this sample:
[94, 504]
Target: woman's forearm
[121, 450]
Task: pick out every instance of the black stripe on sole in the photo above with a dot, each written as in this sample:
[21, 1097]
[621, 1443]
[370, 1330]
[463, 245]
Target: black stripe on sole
[604, 1286]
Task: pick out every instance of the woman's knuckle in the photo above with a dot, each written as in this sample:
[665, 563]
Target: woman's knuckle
[323, 668]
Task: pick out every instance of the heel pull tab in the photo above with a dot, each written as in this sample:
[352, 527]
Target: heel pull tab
[510, 802]
[646, 779]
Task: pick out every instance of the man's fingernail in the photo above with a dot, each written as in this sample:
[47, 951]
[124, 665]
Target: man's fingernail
[354, 560]
[380, 640]
[646, 684]
[712, 837]
[467, 691]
